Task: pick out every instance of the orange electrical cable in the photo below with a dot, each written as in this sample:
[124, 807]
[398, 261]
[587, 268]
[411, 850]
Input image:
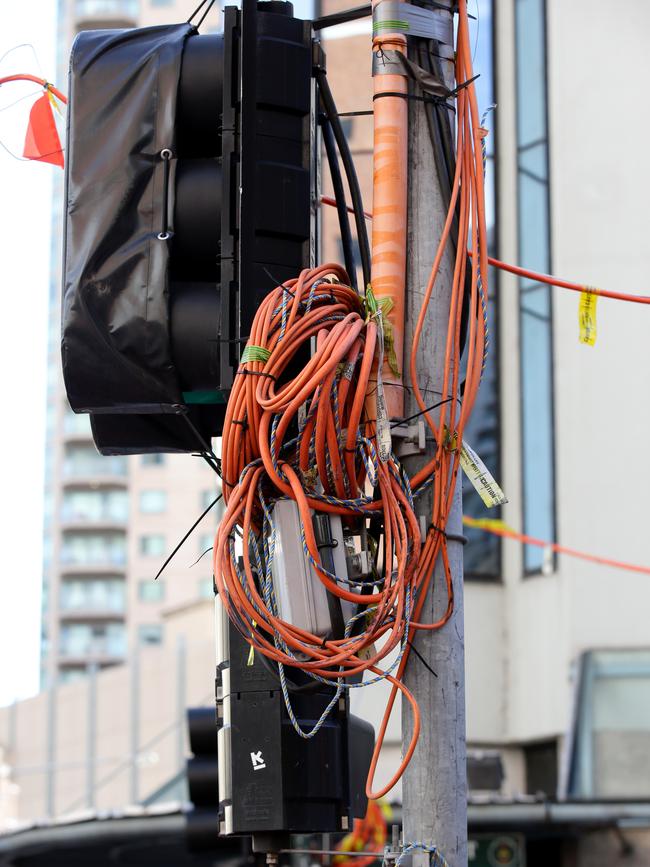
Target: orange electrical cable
[26, 77]
[566, 284]
[489, 526]
[302, 427]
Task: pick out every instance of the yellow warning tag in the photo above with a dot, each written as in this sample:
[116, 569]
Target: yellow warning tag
[587, 317]
[479, 475]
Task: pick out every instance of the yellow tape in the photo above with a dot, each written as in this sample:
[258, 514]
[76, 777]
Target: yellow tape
[479, 475]
[255, 353]
[487, 524]
[55, 104]
[587, 317]
[251, 651]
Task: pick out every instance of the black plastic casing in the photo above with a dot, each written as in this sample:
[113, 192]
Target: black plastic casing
[281, 782]
[166, 264]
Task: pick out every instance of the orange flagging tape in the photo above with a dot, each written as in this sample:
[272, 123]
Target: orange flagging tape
[498, 528]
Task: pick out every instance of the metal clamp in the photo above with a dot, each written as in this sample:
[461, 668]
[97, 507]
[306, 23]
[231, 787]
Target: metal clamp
[411, 439]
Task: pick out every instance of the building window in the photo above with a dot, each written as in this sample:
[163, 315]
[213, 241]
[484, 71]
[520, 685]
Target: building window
[610, 745]
[87, 505]
[482, 554]
[207, 497]
[541, 768]
[206, 588]
[153, 460]
[535, 312]
[153, 502]
[150, 633]
[83, 461]
[93, 594]
[93, 640]
[93, 548]
[76, 424]
[106, 8]
[151, 591]
[69, 675]
[152, 545]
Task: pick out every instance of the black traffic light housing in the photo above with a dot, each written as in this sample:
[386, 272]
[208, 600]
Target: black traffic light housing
[272, 781]
[190, 189]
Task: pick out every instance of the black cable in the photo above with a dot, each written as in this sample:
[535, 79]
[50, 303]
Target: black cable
[339, 195]
[350, 171]
[342, 17]
[187, 535]
[198, 9]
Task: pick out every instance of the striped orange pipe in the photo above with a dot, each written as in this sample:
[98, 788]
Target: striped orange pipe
[390, 177]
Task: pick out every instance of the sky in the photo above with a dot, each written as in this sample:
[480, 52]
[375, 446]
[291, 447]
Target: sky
[25, 190]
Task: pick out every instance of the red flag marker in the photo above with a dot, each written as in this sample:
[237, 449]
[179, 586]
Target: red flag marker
[42, 141]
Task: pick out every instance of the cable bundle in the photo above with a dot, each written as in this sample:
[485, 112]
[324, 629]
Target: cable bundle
[303, 428]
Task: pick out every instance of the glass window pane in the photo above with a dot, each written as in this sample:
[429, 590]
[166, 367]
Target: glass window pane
[153, 502]
[206, 588]
[536, 344]
[150, 633]
[96, 548]
[153, 460]
[152, 545]
[611, 753]
[150, 590]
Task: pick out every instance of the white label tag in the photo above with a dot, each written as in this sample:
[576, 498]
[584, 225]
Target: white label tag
[479, 475]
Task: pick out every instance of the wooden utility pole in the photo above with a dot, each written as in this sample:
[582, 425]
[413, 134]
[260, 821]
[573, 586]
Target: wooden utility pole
[435, 782]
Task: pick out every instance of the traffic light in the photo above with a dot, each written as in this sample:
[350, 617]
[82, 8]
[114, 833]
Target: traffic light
[190, 185]
[202, 779]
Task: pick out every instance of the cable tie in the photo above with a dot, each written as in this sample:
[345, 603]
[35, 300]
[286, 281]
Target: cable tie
[438, 100]
[333, 544]
[451, 537]
[256, 373]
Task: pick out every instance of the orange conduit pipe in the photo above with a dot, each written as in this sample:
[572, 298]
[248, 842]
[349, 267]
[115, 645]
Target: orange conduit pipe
[389, 197]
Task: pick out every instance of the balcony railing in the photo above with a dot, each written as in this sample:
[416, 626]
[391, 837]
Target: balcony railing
[113, 467]
[92, 648]
[107, 9]
[107, 556]
[77, 602]
[73, 515]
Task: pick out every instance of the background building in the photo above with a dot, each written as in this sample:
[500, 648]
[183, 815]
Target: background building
[110, 522]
